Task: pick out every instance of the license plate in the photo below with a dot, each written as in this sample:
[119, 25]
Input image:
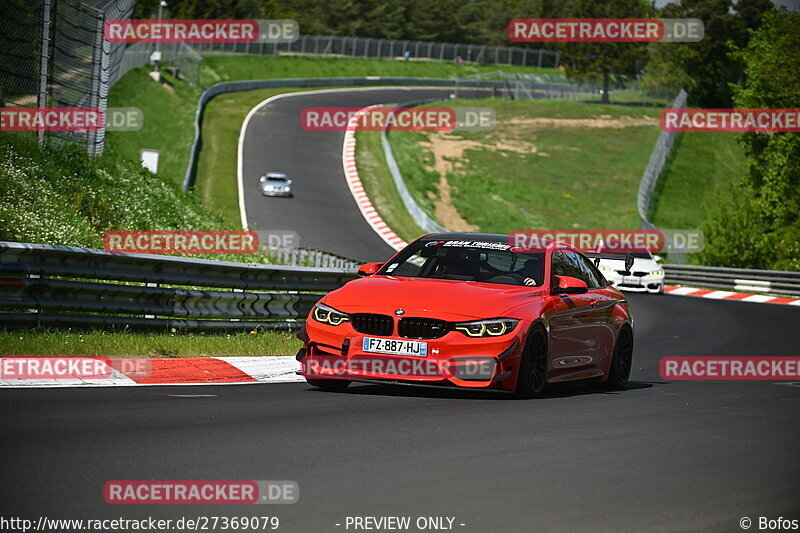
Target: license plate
[395, 347]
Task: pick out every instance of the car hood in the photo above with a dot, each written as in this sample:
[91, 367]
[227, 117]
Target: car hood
[431, 298]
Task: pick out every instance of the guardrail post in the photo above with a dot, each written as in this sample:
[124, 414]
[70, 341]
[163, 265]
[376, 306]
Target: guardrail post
[148, 284]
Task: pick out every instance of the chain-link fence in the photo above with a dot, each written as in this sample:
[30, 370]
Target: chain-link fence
[181, 58]
[21, 35]
[368, 48]
[523, 86]
[57, 57]
[556, 86]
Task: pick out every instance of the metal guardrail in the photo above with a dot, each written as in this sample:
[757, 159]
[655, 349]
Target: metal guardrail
[778, 283]
[61, 285]
[313, 258]
[421, 218]
[658, 157]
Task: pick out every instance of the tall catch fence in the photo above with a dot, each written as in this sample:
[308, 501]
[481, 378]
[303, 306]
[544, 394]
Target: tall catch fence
[369, 48]
[57, 57]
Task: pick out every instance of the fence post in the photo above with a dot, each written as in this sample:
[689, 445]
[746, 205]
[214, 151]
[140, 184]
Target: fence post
[44, 61]
[97, 70]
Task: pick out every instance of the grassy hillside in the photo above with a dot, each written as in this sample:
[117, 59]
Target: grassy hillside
[547, 164]
[168, 111]
[701, 165]
[61, 196]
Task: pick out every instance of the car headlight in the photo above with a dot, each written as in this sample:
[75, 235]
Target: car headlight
[658, 272]
[329, 315]
[493, 327]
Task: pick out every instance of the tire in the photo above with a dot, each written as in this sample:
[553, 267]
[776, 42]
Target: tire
[533, 368]
[622, 360]
[332, 385]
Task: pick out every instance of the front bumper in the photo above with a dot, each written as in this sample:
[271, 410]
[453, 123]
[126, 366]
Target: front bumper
[283, 194]
[648, 283]
[335, 352]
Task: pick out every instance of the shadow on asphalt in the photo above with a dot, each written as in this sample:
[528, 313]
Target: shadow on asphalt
[562, 390]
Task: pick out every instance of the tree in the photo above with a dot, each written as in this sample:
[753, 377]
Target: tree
[705, 68]
[606, 61]
[759, 225]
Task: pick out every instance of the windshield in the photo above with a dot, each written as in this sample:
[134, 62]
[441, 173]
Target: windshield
[480, 261]
[273, 178]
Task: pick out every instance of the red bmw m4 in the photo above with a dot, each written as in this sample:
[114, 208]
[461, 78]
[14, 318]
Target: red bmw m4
[470, 310]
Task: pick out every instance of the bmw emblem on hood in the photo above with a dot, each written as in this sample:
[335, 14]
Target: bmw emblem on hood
[399, 312]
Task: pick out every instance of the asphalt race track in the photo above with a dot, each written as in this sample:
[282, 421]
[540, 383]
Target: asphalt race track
[660, 456]
[322, 211]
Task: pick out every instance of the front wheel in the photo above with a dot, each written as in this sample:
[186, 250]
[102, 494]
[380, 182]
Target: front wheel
[622, 360]
[533, 368]
[332, 385]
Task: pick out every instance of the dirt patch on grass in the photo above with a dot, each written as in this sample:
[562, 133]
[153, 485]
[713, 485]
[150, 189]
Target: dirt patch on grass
[604, 121]
[447, 150]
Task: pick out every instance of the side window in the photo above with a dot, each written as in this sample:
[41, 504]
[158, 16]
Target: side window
[568, 264]
[594, 277]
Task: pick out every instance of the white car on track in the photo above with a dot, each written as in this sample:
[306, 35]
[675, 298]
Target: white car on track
[644, 275]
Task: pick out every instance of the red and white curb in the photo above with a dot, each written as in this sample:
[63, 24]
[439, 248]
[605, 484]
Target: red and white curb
[728, 295]
[181, 371]
[357, 189]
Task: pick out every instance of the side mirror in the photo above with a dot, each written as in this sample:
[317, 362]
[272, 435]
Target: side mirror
[369, 269]
[289, 182]
[570, 285]
[597, 261]
[628, 262]
[262, 179]
[657, 258]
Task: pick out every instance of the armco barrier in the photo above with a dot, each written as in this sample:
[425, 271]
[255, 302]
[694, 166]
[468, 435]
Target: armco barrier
[658, 158]
[232, 296]
[422, 218]
[159, 292]
[779, 283]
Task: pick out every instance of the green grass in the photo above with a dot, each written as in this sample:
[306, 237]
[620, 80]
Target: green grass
[102, 343]
[380, 187]
[168, 121]
[215, 69]
[59, 195]
[534, 176]
[701, 164]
